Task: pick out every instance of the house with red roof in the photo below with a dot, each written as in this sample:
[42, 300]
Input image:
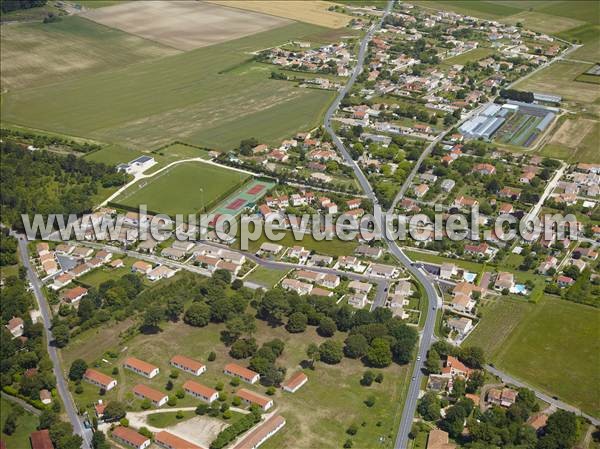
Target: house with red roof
[188, 365]
[99, 379]
[40, 439]
[295, 382]
[245, 374]
[157, 398]
[252, 398]
[140, 367]
[169, 441]
[130, 437]
[200, 391]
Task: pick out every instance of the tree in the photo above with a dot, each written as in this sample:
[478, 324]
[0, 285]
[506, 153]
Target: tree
[475, 382]
[561, 430]
[61, 335]
[237, 326]
[152, 318]
[473, 357]
[313, 353]
[222, 275]
[454, 420]
[198, 314]
[326, 327]
[10, 425]
[296, 323]
[379, 354]
[356, 346]
[429, 406]
[244, 348]
[367, 378]
[78, 369]
[433, 364]
[99, 441]
[114, 411]
[274, 306]
[331, 352]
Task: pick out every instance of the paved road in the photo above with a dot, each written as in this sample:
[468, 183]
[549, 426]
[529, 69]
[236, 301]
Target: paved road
[547, 191]
[21, 403]
[507, 378]
[432, 296]
[61, 384]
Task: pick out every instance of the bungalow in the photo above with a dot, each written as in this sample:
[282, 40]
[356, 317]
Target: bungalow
[157, 398]
[42, 248]
[82, 252]
[148, 246]
[464, 201]
[298, 252]
[360, 287]
[259, 149]
[463, 303]
[140, 266]
[104, 256]
[509, 192]
[140, 367]
[209, 262]
[579, 264]
[448, 270]
[506, 208]
[369, 251]
[302, 288]
[329, 280]
[549, 263]
[62, 280]
[99, 379]
[447, 185]
[183, 245]
[354, 203]
[188, 365]
[526, 177]
[298, 200]
[45, 396]
[50, 267]
[484, 169]
[64, 248]
[169, 441]
[117, 263]
[318, 291]
[454, 367]
[478, 250]
[321, 261]
[245, 374]
[261, 433]
[386, 271]
[160, 272]
[348, 262]
[40, 439]
[504, 280]
[74, 295]
[16, 325]
[200, 391]
[588, 253]
[438, 439]
[173, 253]
[294, 383]
[130, 437]
[270, 248]
[403, 288]
[233, 268]
[252, 398]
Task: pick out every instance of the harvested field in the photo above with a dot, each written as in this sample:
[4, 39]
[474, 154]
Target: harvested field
[183, 25]
[35, 54]
[572, 132]
[310, 11]
[544, 23]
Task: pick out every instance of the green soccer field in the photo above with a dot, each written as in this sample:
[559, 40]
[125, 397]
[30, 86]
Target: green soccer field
[192, 97]
[182, 189]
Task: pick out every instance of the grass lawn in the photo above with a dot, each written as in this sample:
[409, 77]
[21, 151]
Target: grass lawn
[190, 97]
[334, 247]
[473, 55]
[588, 35]
[182, 189]
[113, 155]
[180, 151]
[35, 54]
[559, 78]
[331, 400]
[26, 423]
[553, 345]
[163, 420]
[102, 274]
[265, 276]
[473, 267]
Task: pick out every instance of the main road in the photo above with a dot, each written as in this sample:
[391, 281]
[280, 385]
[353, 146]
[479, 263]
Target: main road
[434, 300]
[61, 384]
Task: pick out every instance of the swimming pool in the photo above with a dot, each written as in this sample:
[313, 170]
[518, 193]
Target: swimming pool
[519, 289]
[469, 277]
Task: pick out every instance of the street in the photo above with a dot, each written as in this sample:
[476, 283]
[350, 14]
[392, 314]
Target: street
[61, 384]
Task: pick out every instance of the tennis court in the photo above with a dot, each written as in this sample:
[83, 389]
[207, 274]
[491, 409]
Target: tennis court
[246, 196]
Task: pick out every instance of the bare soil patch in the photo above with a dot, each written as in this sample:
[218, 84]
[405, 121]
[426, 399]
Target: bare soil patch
[184, 25]
[572, 132]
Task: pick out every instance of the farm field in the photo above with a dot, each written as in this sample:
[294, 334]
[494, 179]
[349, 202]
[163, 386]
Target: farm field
[184, 188]
[181, 24]
[310, 11]
[559, 78]
[542, 22]
[472, 55]
[575, 141]
[113, 155]
[539, 341]
[337, 387]
[26, 423]
[188, 97]
[589, 36]
[180, 151]
[35, 54]
[485, 10]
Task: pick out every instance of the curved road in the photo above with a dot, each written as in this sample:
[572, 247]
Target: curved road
[435, 302]
[61, 384]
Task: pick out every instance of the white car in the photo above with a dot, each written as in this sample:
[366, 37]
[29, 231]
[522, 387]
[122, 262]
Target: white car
[418, 358]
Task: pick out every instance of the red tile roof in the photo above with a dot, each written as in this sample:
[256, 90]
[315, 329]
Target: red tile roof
[147, 392]
[129, 435]
[297, 379]
[240, 371]
[173, 441]
[144, 367]
[187, 362]
[40, 439]
[198, 388]
[253, 397]
[259, 434]
[98, 377]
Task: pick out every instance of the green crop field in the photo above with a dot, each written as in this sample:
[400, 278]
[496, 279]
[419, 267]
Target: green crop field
[483, 9]
[182, 189]
[473, 55]
[35, 54]
[26, 423]
[530, 341]
[189, 97]
[589, 36]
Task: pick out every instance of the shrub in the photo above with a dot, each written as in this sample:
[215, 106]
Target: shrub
[212, 356]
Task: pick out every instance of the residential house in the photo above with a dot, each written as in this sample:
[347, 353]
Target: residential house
[270, 248]
[39, 439]
[357, 300]
[565, 281]
[448, 270]
[368, 251]
[438, 439]
[140, 266]
[199, 391]
[504, 280]
[73, 295]
[167, 440]
[16, 325]
[261, 433]
[484, 169]
[505, 397]
[421, 190]
[302, 288]
[348, 262]
[461, 325]
[360, 287]
[45, 396]
[454, 367]
[173, 253]
[160, 272]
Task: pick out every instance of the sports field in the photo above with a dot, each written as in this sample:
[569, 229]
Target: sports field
[246, 196]
[35, 54]
[309, 11]
[188, 97]
[183, 25]
[535, 352]
[182, 189]
[559, 79]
